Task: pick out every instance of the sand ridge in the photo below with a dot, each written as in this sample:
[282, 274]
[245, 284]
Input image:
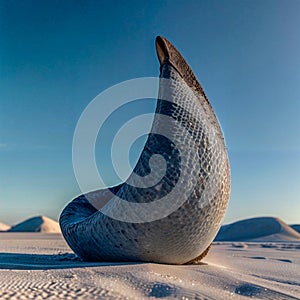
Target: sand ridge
[37, 224]
[258, 229]
[296, 227]
[4, 227]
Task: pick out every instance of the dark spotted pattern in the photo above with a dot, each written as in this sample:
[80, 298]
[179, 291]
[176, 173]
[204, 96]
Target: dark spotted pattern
[185, 234]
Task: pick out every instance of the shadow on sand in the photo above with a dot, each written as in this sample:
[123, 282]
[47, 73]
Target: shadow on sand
[21, 261]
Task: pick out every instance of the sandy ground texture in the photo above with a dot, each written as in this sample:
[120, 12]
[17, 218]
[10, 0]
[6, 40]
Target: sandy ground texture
[41, 266]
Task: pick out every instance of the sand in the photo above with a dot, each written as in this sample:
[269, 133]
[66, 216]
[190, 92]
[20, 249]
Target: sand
[268, 229]
[37, 224]
[4, 227]
[296, 227]
[37, 265]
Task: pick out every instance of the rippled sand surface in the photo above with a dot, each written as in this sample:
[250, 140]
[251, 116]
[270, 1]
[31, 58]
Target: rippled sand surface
[41, 266]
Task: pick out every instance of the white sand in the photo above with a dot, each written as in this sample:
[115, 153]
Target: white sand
[268, 229]
[35, 264]
[37, 224]
[4, 227]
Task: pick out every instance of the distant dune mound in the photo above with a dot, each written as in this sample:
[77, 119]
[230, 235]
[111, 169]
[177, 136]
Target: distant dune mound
[296, 227]
[258, 229]
[37, 224]
[4, 227]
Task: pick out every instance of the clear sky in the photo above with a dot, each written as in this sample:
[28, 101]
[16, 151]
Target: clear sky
[56, 56]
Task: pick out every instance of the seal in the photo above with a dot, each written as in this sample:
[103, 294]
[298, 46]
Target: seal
[196, 183]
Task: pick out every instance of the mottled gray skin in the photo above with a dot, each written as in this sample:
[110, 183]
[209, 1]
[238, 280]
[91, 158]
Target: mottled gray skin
[185, 234]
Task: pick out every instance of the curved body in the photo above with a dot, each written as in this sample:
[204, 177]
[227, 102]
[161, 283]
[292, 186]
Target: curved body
[196, 160]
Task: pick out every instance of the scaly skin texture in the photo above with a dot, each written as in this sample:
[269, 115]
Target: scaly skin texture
[196, 158]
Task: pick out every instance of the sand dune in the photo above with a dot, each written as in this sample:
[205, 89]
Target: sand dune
[296, 227]
[258, 229]
[4, 227]
[37, 224]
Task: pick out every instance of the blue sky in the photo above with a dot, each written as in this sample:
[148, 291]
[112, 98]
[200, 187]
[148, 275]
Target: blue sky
[55, 57]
